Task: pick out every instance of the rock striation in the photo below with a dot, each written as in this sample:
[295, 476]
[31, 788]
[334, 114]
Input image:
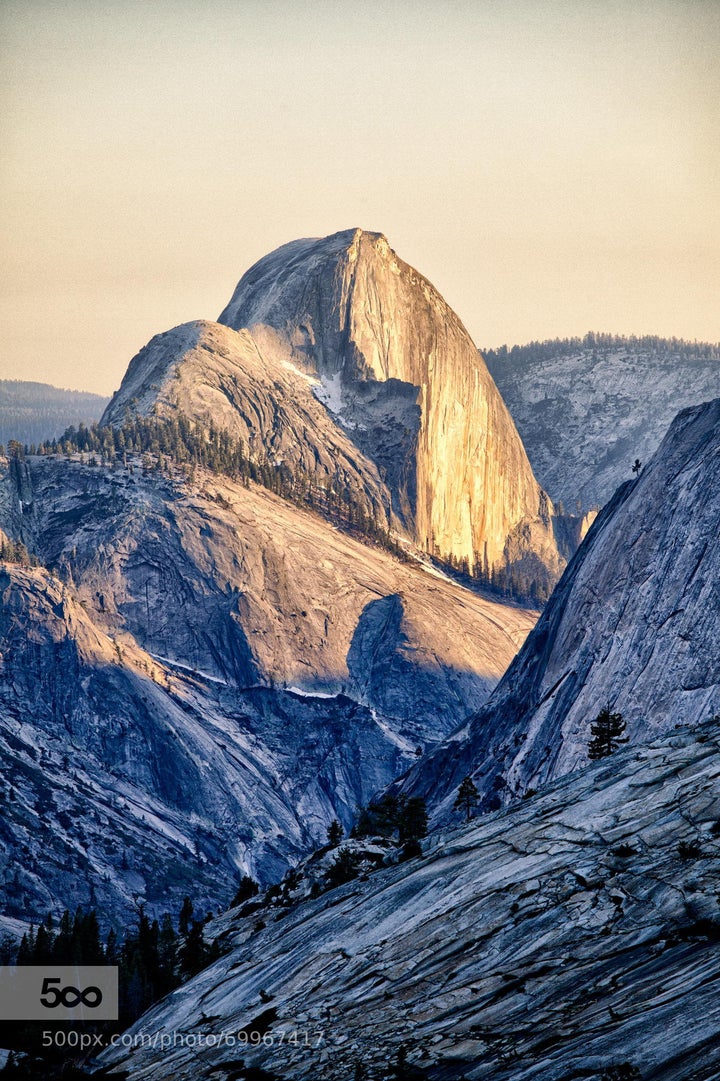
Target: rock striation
[573, 934]
[281, 670]
[633, 625]
[201, 676]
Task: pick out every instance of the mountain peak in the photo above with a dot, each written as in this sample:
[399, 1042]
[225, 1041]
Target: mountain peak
[403, 373]
[336, 357]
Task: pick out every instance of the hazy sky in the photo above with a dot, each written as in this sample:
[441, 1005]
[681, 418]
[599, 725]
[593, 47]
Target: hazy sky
[551, 167]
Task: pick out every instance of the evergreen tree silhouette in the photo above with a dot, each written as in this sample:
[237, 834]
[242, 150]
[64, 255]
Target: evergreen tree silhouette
[607, 734]
[467, 797]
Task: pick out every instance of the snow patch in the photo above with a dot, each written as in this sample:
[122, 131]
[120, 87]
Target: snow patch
[311, 379]
[310, 694]
[329, 392]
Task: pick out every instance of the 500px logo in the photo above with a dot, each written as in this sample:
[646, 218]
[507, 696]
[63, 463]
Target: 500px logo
[59, 992]
[69, 996]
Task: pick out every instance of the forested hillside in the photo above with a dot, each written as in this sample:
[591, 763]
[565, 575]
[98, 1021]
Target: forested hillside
[31, 412]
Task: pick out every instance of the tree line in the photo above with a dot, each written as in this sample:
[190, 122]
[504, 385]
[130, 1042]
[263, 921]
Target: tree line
[177, 441]
[648, 343]
[154, 957]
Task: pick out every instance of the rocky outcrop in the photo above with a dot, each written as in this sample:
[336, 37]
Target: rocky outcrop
[574, 934]
[587, 409]
[401, 376]
[205, 678]
[633, 625]
[211, 374]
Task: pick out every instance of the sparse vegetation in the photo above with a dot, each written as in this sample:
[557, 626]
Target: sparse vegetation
[152, 959]
[335, 833]
[247, 889]
[398, 816]
[648, 343]
[344, 868]
[624, 1071]
[689, 850]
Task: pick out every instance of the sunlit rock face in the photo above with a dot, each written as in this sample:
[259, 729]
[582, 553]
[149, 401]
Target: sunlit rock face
[634, 624]
[401, 376]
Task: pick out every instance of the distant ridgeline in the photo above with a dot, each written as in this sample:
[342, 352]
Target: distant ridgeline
[185, 443]
[558, 347]
[588, 408]
[31, 412]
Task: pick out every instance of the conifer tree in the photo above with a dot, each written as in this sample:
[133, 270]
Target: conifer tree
[185, 916]
[248, 888]
[607, 734]
[334, 833]
[467, 798]
[412, 825]
[344, 868]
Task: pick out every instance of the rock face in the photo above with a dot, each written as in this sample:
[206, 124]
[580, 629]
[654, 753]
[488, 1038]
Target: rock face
[212, 374]
[633, 624]
[203, 678]
[575, 933]
[587, 409]
[402, 378]
[254, 669]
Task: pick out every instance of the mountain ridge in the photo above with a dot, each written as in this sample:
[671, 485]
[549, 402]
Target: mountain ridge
[32, 411]
[587, 408]
[632, 625]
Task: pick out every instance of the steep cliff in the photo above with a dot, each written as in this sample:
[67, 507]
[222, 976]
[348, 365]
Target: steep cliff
[401, 376]
[587, 409]
[633, 624]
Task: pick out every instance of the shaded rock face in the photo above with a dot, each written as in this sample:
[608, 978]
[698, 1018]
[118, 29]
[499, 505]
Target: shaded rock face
[634, 624]
[198, 684]
[569, 935]
[402, 377]
[586, 412]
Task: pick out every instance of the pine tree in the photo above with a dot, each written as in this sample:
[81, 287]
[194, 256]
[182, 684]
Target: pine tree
[344, 868]
[334, 833]
[192, 950]
[412, 820]
[412, 826]
[607, 734]
[467, 798]
[248, 888]
[185, 916]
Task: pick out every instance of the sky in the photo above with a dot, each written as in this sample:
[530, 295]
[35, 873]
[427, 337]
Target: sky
[552, 167]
